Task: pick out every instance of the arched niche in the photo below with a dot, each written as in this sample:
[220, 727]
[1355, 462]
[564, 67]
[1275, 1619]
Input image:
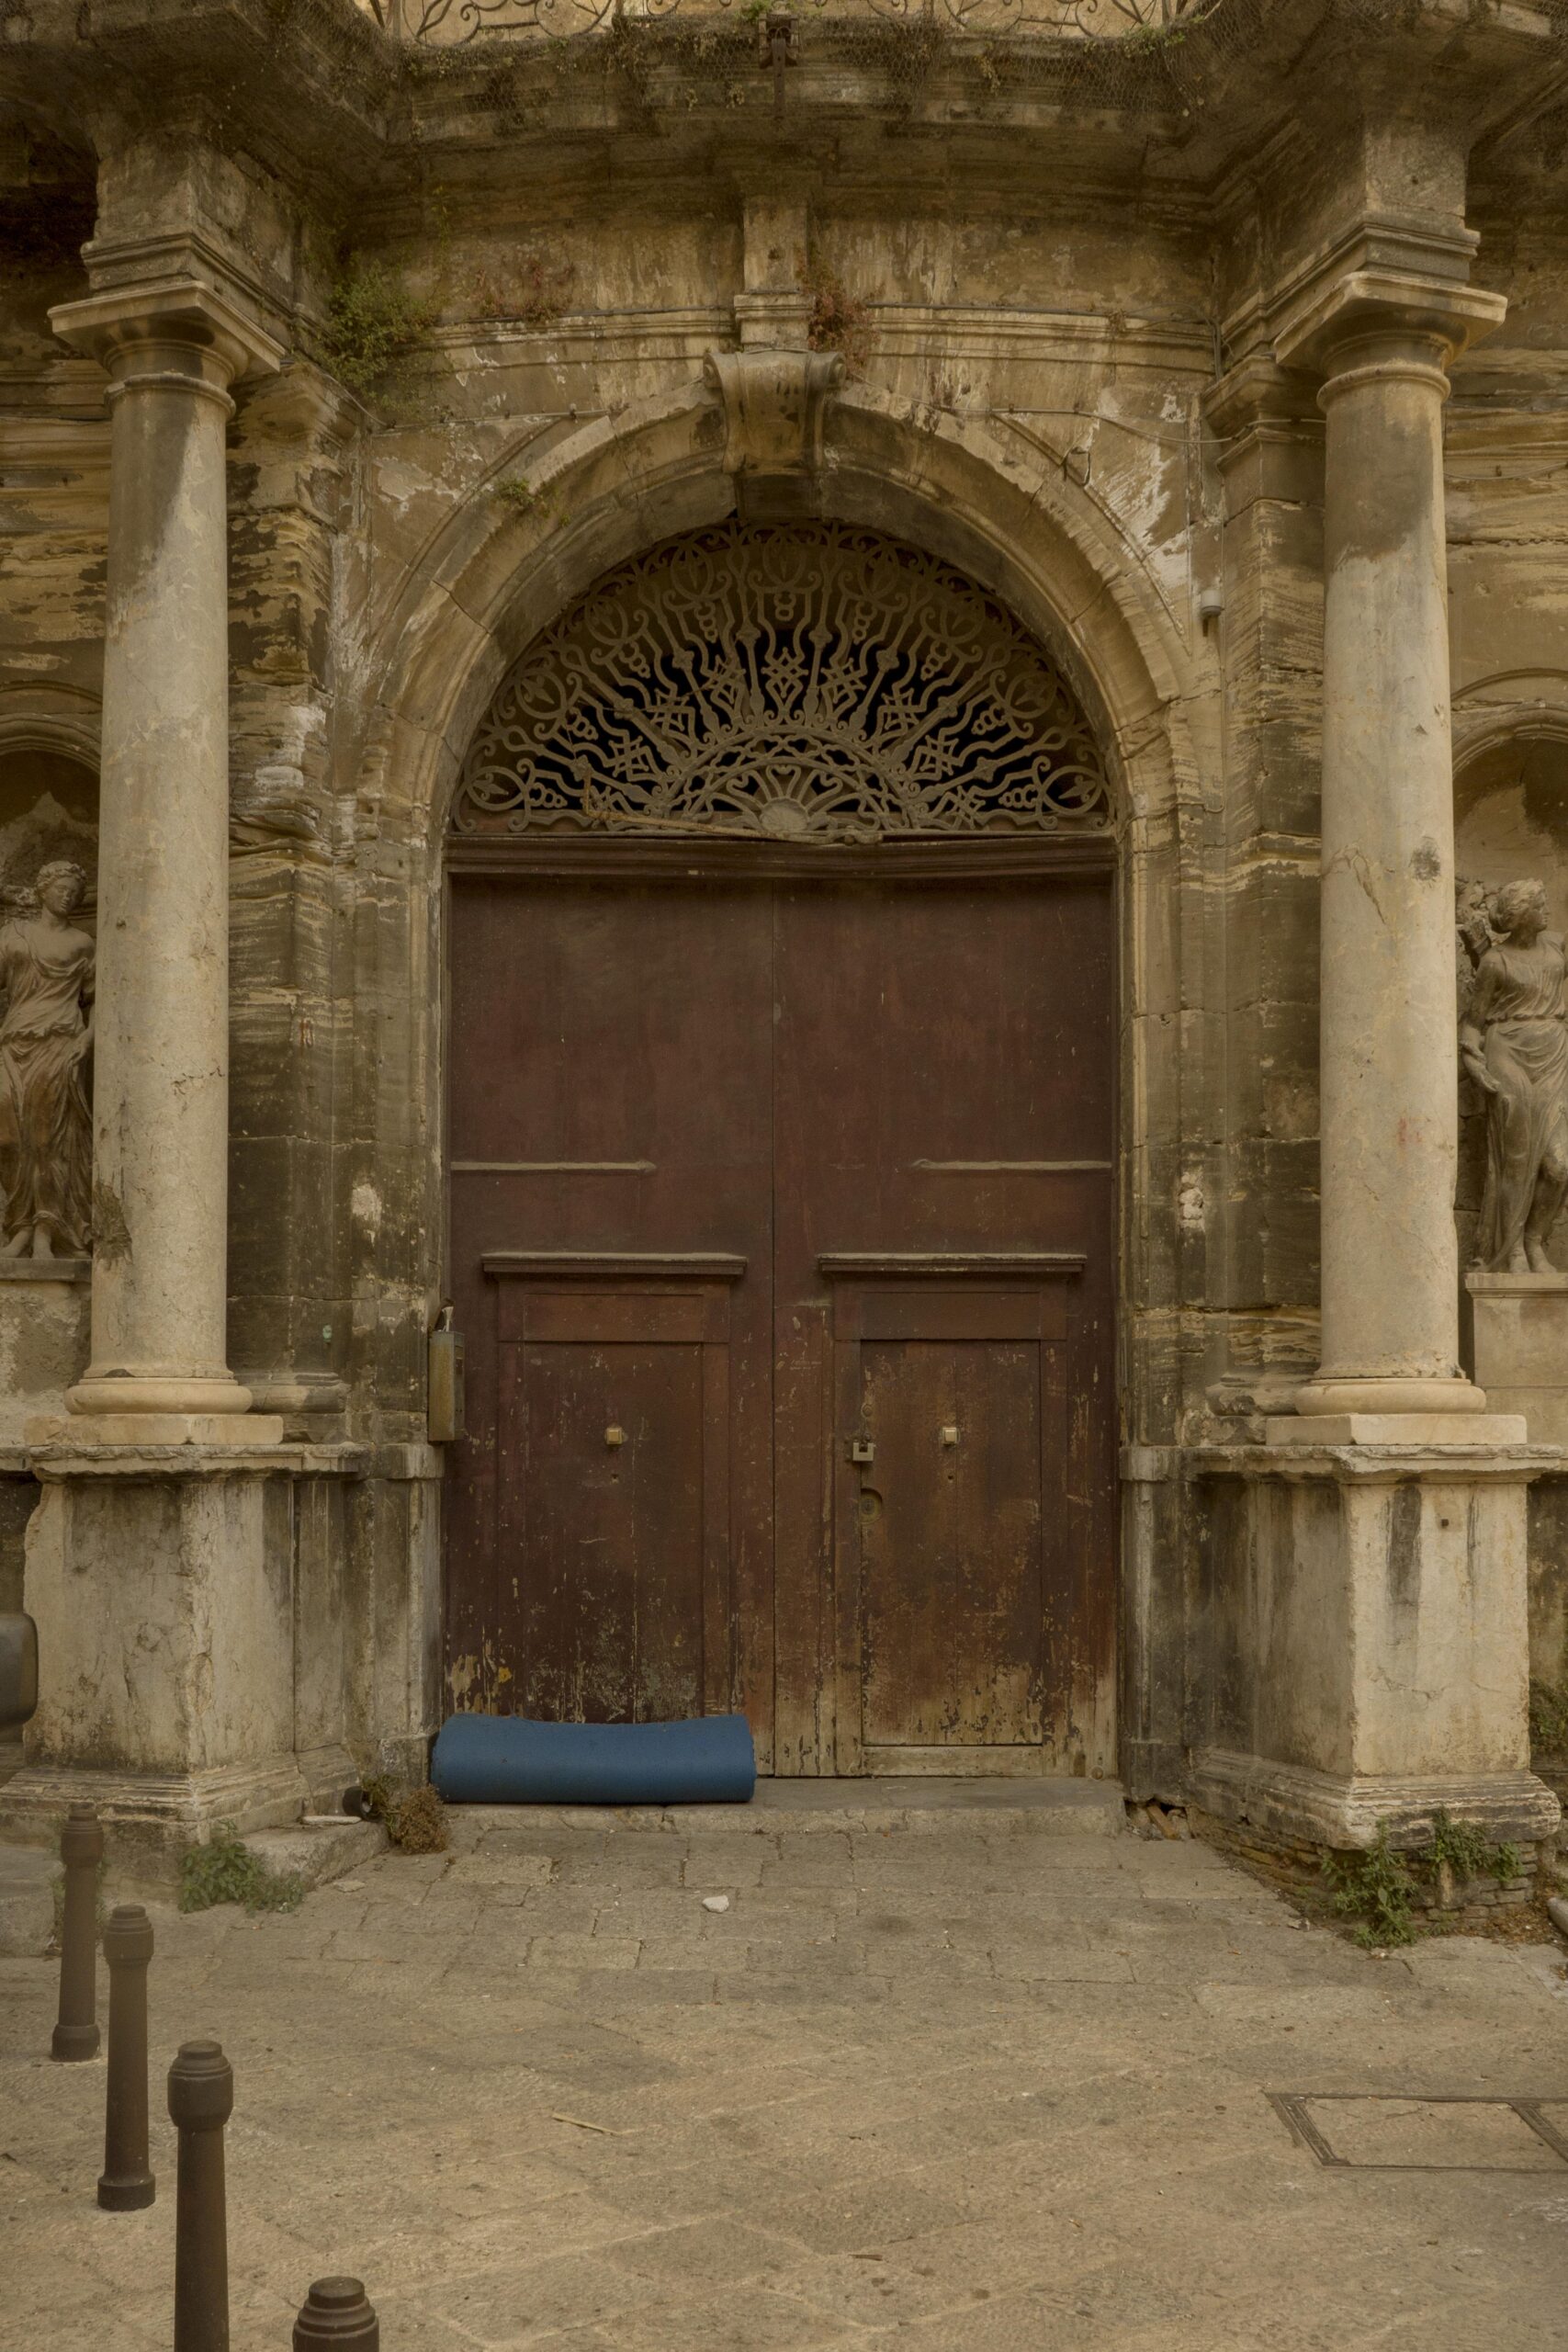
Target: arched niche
[48, 808]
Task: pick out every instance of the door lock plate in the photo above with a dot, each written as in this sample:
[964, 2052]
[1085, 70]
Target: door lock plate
[861, 1449]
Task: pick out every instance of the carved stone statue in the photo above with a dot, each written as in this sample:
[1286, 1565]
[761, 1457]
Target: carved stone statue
[1513, 1043]
[46, 1034]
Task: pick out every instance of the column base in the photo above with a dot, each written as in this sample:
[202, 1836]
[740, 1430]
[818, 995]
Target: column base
[1329, 1396]
[81, 1431]
[131, 1393]
[1468, 1430]
[155, 1813]
[1329, 1809]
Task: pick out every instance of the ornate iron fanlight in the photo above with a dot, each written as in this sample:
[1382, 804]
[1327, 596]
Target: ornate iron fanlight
[813, 682]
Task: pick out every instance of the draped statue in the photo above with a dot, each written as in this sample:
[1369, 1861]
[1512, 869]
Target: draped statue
[46, 1034]
[1513, 1043]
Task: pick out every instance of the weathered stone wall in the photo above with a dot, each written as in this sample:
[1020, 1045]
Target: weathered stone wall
[1061, 376]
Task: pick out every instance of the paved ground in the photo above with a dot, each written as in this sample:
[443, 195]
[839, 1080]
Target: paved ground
[965, 2084]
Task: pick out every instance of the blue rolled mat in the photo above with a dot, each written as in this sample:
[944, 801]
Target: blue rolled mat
[506, 1759]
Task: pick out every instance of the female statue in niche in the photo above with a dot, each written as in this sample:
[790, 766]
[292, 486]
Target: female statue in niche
[46, 1034]
[1513, 1043]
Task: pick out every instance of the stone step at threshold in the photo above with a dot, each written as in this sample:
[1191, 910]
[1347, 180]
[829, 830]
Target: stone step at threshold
[1038, 1807]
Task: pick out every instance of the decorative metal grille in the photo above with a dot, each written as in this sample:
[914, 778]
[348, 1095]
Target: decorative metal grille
[449, 21]
[806, 683]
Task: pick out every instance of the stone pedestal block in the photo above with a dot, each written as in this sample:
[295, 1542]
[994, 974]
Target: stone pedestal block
[1517, 1339]
[164, 1601]
[1368, 1605]
[44, 1337]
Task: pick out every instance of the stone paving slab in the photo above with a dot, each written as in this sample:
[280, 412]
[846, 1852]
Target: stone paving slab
[936, 2088]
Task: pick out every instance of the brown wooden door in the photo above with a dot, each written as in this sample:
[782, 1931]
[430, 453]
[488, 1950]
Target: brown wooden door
[610, 1130]
[748, 1180]
[944, 1261]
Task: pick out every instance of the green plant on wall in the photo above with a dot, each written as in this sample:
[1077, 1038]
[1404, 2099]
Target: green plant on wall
[1466, 1849]
[1376, 1887]
[1379, 1887]
[1549, 1717]
[840, 322]
[530, 292]
[373, 324]
[524, 497]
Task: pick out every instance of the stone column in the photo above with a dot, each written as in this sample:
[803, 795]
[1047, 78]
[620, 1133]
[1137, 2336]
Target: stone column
[1366, 1564]
[161, 1095]
[1389, 1121]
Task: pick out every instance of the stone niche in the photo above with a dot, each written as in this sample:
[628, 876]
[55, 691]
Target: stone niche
[49, 813]
[1511, 824]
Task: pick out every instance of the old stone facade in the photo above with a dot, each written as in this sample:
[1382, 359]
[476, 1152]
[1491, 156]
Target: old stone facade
[478, 487]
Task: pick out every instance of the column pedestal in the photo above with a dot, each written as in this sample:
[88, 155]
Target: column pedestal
[1518, 1342]
[1372, 1598]
[162, 1592]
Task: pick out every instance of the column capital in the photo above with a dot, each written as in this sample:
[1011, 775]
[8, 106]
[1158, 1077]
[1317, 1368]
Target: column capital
[1438, 315]
[179, 312]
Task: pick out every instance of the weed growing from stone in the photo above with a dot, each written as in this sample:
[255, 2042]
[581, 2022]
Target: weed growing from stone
[372, 324]
[1466, 1851]
[838, 321]
[517, 491]
[1549, 1717]
[226, 1870]
[1377, 1886]
[533, 293]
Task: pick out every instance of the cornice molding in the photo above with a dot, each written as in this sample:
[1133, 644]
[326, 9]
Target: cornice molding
[1366, 302]
[181, 310]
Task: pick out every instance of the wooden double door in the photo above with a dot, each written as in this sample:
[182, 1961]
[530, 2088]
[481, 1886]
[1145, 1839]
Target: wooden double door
[783, 1243]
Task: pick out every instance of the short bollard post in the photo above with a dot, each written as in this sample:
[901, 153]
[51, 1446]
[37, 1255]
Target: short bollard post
[81, 1850]
[126, 2183]
[335, 2311]
[201, 2099]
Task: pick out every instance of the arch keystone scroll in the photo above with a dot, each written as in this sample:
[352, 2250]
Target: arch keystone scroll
[773, 404]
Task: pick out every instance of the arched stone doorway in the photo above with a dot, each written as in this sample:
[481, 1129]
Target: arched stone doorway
[781, 1140]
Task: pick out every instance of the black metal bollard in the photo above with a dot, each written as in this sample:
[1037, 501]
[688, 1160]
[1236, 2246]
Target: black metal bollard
[335, 2313]
[81, 1850]
[127, 2184]
[201, 2099]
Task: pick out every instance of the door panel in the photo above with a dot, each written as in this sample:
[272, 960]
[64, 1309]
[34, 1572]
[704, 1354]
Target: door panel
[610, 1093]
[951, 1593]
[944, 1090]
[602, 1528]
